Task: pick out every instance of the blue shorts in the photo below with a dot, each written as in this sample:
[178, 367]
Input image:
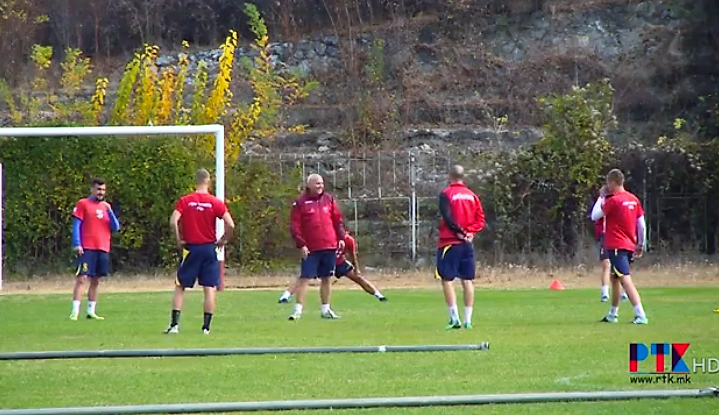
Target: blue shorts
[198, 263]
[620, 260]
[455, 261]
[319, 264]
[93, 264]
[602, 252]
[341, 270]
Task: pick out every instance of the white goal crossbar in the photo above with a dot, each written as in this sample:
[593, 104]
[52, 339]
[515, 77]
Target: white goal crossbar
[216, 129]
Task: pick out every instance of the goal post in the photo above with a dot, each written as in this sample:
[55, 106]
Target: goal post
[216, 129]
[2, 208]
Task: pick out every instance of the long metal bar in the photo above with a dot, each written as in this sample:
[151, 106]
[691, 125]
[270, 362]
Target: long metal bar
[134, 353]
[363, 403]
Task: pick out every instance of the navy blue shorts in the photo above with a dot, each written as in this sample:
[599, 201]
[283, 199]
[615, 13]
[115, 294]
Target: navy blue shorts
[198, 263]
[341, 270]
[93, 264]
[319, 264]
[455, 261]
[602, 252]
[620, 260]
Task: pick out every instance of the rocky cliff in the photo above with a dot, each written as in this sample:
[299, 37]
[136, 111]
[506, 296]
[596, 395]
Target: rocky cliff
[448, 76]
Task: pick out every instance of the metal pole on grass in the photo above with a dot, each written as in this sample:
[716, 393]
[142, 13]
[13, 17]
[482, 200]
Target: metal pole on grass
[134, 353]
[364, 403]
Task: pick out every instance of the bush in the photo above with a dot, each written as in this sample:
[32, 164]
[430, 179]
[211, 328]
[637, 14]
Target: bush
[538, 196]
[262, 215]
[44, 178]
[547, 183]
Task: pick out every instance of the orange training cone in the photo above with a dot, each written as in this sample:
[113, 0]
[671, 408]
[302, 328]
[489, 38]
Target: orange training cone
[556, 285]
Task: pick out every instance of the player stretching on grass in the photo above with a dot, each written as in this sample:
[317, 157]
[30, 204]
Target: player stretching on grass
[343, 268]
[624, 239]
[606, 266]
[318, 231]
[193, 224]
[462, 217]
[93, 222]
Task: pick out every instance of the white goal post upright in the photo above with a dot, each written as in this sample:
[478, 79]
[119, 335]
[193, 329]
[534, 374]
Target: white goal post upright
[2, 207]
[216, 129]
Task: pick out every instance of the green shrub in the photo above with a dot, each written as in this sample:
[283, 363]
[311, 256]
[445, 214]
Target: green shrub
[44, 178]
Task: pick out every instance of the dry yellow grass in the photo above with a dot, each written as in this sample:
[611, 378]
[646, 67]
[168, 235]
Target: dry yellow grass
[508, 277]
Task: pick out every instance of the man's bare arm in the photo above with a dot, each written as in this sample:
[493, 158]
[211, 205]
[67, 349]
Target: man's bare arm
[175, 226]
[355, 260]
[229, 229]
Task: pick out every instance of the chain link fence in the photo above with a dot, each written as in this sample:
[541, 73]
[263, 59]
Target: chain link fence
[389, 201]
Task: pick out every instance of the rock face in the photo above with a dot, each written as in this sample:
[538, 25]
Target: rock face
[449, 83]
[617, 31]
[495, 64]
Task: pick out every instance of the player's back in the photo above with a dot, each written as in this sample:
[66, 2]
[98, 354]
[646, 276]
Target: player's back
[463, 203]
[621, 212]
[199, 214]
[464, 209]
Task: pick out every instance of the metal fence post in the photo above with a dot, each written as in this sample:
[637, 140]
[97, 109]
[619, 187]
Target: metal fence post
[413, 206]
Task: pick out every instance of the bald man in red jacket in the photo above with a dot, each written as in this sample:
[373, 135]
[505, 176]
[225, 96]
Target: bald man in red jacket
[462, 218]
[318, 231]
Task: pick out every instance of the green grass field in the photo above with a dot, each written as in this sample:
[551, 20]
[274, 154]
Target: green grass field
[540, 340]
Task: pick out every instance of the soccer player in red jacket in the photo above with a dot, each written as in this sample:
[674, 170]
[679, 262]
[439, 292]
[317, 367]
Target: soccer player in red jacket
[624, 238]
[193, 223]
[93, 222]
[318, 231]
[462, 218]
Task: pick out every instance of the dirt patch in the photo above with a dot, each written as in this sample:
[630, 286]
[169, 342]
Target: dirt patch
[510, 277]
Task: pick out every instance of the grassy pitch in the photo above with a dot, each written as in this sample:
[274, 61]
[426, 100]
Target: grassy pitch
[540, 340]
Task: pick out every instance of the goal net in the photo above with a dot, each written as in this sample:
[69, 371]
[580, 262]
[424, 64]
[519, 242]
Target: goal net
[217, 130]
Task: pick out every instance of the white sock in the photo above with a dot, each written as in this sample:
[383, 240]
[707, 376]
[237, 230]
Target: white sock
[614, 311]
[468, 314]
[639, 310]
[91, 307]
[605, 291]
[285, 295]
[298, 308]
[76, 306]
[325, 308]
[378, 294]
[624, 293]
[453, 313]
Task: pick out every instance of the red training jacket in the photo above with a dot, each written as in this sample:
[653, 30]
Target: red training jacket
[316, 222]
[461, 212]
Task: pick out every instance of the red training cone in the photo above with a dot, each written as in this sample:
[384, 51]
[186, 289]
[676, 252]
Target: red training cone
[556, 285]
